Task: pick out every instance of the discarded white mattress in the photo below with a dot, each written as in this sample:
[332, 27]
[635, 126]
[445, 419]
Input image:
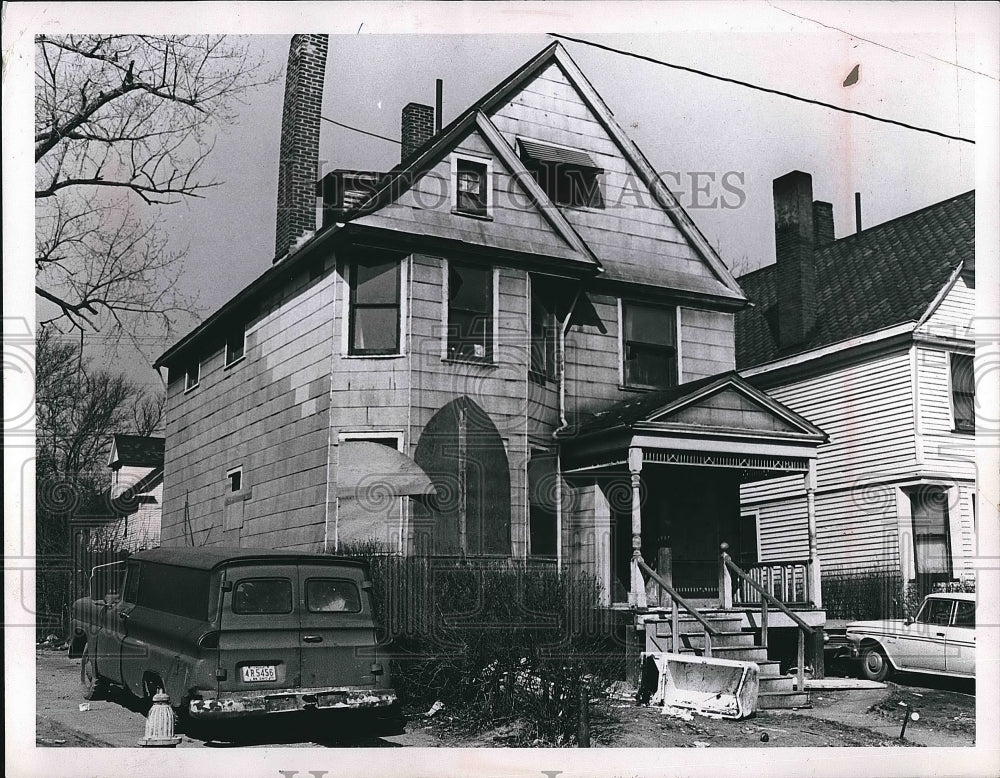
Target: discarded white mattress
[720, 687]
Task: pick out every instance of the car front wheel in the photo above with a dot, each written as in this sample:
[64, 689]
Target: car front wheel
[94, 687]
[874, 663]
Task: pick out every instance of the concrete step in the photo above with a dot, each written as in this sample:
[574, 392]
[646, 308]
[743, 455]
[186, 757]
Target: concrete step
[730, 623]
[769, 668]
[739, 653]
[722, 639]
[776, 683]
[776, 700]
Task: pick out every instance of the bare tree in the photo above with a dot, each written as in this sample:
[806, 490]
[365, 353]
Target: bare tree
[123, 125]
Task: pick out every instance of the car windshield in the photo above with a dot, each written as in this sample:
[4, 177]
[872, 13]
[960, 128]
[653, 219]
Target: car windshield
[935, 612]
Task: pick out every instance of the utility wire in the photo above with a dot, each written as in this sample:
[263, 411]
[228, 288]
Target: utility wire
[363, 132]
[765, 89]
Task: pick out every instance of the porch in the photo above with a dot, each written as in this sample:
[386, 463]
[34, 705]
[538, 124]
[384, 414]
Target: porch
[663, 476]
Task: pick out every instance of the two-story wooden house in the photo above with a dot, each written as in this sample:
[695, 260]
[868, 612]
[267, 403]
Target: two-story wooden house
[516, 343]
[872, 337]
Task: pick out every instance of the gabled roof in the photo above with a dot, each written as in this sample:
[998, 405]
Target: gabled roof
[402, 178]
[136, 451]
[695, 404]
[883, 276]
[404, 174]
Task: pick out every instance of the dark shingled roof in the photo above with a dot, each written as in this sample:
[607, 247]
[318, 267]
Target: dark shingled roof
[886, 275]
[628, 412]
[139, 451]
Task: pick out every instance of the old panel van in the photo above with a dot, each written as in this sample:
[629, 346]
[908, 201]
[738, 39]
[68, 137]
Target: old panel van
[231, 633]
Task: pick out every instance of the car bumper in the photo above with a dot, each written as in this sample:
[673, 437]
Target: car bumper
[238, 705]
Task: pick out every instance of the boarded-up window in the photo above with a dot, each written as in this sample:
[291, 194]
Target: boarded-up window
[963, 392]
[374, 314]
[470, 312]
[650, 345]
[931, 546]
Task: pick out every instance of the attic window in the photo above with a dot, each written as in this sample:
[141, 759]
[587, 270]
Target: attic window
[470, 179]
[568, 176]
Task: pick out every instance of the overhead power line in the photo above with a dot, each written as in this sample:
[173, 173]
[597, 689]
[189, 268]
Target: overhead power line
[363, 132]
[764, 89]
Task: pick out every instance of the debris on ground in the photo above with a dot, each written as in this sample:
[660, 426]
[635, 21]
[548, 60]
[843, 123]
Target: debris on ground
[677, 713]
[437, 706]
[621, 690]
[701, 744]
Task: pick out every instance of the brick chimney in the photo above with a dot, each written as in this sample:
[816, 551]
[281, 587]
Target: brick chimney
[794, 237]
[417, 128]
[822, 223]
[298, 166]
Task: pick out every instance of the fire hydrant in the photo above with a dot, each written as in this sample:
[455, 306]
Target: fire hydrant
[160, 724]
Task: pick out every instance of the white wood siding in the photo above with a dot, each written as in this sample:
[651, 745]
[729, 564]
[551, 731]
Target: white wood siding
[953, 318]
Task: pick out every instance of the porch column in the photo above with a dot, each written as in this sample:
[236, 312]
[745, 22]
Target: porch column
[814, 566]
[637, 593]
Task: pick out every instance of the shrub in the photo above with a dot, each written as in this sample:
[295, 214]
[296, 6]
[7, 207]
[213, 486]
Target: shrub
[863, 594]
[497, 641]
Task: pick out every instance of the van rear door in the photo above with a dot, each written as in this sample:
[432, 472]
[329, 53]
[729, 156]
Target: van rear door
[259, 628]
[338, 632]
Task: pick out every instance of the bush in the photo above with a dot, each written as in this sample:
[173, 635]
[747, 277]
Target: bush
[497, 641]
[859, 595]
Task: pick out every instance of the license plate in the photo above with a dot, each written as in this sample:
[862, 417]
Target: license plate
[253, 673]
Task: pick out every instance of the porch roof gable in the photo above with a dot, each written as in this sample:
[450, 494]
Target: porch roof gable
[724, 402]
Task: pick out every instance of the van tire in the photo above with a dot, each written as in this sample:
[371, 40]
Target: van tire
[93, 685]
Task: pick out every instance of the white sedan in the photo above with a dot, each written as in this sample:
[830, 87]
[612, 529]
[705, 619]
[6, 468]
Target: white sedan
[940, 640]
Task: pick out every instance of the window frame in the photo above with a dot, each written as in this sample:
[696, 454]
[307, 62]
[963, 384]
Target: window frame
[458, 159]
[672, 311]
[238, 472]
[919, 496]
[966, 428]
[549, 334]
[352, 306]
[194, 368]
[237, 584]
[352, 583]
[490, 329]
[373, 436]
[241, 331]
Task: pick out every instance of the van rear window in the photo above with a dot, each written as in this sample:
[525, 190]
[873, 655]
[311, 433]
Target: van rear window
[262, 595]
[332, 595]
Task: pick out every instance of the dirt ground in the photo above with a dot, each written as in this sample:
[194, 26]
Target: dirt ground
[867, 717]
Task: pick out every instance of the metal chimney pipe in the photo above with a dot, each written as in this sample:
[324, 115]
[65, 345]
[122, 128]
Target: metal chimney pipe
[439, 90]
[857, 211]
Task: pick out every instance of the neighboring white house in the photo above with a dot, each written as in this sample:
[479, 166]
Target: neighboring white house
[871, 338]
[136, 494]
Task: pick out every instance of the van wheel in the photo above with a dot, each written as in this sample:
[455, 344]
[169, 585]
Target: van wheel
[874, 663]
[94, 687]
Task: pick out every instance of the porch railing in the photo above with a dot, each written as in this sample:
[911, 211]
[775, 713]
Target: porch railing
[728, 568]
[787, 579]
[676, 603]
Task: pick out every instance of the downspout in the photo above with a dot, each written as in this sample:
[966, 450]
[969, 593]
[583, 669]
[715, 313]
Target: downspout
[563, 423]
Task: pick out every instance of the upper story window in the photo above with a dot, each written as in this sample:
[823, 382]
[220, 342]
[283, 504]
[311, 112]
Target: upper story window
[235, 478]
[963, 393]
[649, 345]
[374, 320]
[470, 312]
[543, 329]
[568, 176]
[471, 186]
[192, 376]
[236, 344]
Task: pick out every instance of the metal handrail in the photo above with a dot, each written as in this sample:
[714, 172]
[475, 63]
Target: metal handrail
[766, 594]
[677, 598]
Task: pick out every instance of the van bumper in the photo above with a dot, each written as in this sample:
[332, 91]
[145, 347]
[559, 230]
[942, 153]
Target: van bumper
[239, 705]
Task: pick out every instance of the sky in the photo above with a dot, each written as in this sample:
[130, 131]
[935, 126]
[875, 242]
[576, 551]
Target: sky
[917, 65]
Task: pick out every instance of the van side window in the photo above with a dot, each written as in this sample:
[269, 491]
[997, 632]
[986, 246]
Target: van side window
[332, 595]
[131, 583]
[180, 591]
[262, 595]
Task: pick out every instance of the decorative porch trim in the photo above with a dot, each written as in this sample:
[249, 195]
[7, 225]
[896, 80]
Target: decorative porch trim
[715, 459]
